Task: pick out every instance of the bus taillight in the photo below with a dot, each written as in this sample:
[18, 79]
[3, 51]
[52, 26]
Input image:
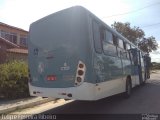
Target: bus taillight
[81, 69]
[51, 77]
[81, 65]
[80, 72]
[79, 79]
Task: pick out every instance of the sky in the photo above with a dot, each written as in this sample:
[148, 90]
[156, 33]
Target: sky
[140, 13]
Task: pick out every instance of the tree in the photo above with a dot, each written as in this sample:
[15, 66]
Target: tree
[136, 36]
[148, 44]
[155, 66]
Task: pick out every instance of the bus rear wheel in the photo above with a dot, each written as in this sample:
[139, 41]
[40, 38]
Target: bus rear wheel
[128, 88]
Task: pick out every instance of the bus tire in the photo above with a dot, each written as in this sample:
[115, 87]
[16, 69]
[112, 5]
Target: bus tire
[128, 88]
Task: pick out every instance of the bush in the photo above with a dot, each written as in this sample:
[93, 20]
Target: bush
[155, 66]
[14, 80]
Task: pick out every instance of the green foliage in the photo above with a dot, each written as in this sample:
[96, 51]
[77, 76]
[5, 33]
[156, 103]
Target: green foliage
[155, 66]
[136, 36]
[14, 79]
[148, 44]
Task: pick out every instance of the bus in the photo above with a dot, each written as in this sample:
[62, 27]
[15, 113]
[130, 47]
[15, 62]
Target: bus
[75, 55]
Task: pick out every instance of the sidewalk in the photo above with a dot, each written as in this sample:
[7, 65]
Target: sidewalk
[9, 106]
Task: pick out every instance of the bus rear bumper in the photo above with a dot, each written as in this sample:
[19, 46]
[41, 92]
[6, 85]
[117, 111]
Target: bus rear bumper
[85, 91]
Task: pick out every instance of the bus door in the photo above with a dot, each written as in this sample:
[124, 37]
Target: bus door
[147, 64]
[137, 68]
[140, 67]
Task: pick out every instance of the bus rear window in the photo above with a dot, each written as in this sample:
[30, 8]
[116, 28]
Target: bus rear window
[96, 37]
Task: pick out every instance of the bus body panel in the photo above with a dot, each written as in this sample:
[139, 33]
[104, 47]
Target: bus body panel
[57, 43]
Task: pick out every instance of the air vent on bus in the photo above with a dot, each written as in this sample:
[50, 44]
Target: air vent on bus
[80, 74]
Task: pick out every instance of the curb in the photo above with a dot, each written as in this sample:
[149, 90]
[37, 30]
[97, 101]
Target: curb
[26, 105]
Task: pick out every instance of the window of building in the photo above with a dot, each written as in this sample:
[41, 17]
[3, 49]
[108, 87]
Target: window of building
[7, 36]
[96, 37]
[3, 34]
[23, 40]
[12, 37]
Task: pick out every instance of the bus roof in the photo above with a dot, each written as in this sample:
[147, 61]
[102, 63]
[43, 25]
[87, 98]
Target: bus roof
[90, 13]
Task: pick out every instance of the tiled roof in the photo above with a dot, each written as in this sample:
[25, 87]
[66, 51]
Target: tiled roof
[18, 50]
[12, 27]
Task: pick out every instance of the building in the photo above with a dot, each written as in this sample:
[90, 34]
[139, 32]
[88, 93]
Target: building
[17, 54]
[4, 45]
[13, 43]
[13, 34]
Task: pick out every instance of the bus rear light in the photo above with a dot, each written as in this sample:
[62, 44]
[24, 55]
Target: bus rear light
[51, 77]
[80, 72]
[79, 79]
[81, 65]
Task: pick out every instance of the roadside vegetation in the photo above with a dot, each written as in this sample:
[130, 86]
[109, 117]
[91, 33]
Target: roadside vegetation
[14, 80]
[155, 66]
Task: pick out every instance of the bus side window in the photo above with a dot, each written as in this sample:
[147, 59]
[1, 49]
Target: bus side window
[122, 50]
[124, 45]
[119, 52]
[135, 59]
[102, 33]
[125, 50]
[109, 37]
[115, 40]
[120, 43]
[108, 47]
[96, 37]
[131, 57]
[128, 47]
